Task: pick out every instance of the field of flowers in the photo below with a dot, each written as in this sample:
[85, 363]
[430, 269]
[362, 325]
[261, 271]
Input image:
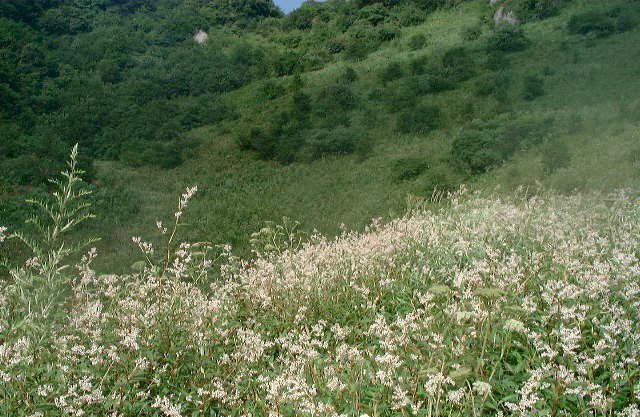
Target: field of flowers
[485, 306]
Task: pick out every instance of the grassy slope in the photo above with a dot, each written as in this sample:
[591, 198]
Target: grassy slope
[596, 80]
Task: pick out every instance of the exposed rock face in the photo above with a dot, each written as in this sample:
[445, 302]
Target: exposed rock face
[201, 37]
[503, 16]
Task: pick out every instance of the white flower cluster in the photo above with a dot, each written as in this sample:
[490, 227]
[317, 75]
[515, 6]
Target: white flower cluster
[436, 313]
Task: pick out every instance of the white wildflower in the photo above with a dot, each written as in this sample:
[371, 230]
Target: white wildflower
[167, 408]
[482, 388]
[516, 326]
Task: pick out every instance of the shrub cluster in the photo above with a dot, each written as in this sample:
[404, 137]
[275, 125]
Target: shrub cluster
[600, 24]
[507, 38]
[484, 145]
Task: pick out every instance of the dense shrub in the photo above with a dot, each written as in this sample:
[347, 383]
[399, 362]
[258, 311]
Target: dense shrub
[287, 63]
[507, 38]
[476, 151]
[348, 75]
[492, 83]
[599, 24]
[533, 87]
[390, 72]
[335, 98]
[417, 41]
[471, 33]
[409, 168]
[357, 49]
[439, 79]
[338, 141]
[301, 104]
[270, 90]
[419, 119]
[400, 96]
[386, 33]
[439, 178]
[410, 15]
[537, 9]
[458, 63]
[495, 83]
[484, 146]
[418, 65]
[555, 156]
[301, 19]
[497, 61]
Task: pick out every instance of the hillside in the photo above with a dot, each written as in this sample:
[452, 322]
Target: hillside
[362, 208]
[400, 136]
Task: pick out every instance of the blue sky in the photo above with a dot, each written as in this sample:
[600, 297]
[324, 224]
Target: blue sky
[288, 5]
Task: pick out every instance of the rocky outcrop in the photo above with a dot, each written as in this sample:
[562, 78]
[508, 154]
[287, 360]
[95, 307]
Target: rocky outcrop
[201, 37]
[504, 16]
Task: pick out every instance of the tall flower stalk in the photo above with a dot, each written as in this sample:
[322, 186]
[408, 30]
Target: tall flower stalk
[40, 284]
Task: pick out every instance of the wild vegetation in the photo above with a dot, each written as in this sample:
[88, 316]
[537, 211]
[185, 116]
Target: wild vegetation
[269, 290]
[260, 114]
[485, 306]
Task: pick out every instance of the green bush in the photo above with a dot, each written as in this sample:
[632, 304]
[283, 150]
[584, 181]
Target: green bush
[409, 168]
[338, 141]
[497, 61]
[418, 65]
[419, 119]
[400, 96]
[555, 156]
[287, 63]
[537, 9]
[336, 98]
[417, 41]
[439, 178]
[599, 24]
[458, 64]
[485, 145]
[258, 140]
[410, 15]
[387, 33]
[440, 79]
[495, 83]
[533, 87]
[507, 38]
[392, 71]
[471, 33]
[347, 76]
[475, 151]
[357, 49]
[270, 90]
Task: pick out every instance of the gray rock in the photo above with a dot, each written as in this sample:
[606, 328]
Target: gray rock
[201, 37]
[504, 16]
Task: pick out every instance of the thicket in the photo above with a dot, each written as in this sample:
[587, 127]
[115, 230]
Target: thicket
[600, 23]
[528, 10]
[481, 146]
[122, 78]
[507, 38]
